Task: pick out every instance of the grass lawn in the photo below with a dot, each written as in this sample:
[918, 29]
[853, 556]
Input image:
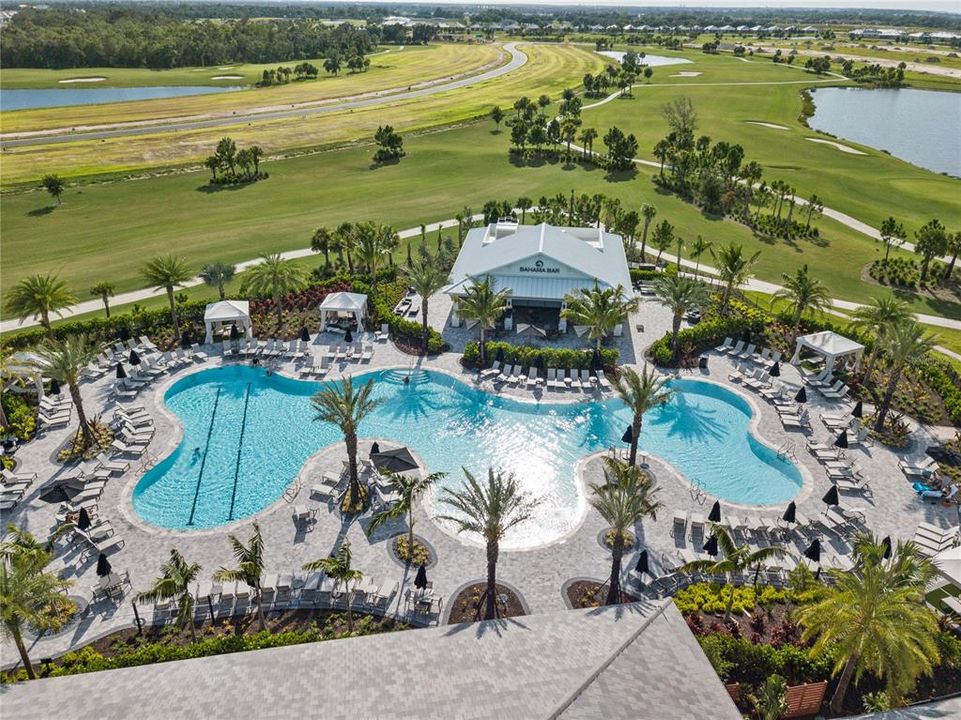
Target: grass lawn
[393, 70]
[549, 70]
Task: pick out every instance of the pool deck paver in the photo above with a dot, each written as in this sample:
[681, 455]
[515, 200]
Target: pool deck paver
[893, 508]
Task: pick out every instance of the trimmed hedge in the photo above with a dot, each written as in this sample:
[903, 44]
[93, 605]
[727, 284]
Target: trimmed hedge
[527, 356]
[411, 332]
[740, 660]
[707, 333]
[946, 382]
[639, 275]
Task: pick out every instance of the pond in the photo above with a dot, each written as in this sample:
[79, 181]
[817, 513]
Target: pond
[652, 60]
[16, 99]
[920, 126]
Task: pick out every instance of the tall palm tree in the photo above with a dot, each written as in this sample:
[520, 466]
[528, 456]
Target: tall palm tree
[648, 212]
[735, 559]
[904, 344]
[733, 267]
[600, 310]
[37, 296]
[345, 407]
[409, 488]
[217, 275]
[625, 498]
[249, 568]
[337, 567]
[640, 392]
[323, 241]
[104, 290]
[64, 361]
[168, 272]
[345, 241]
[176, 581]
[524, 204]
[874, 619]
[426, 277]
[490, 511]
[876, 318]
[698, 248]
[481, 303]
[275, 278]
[802, 293]
[680, 295]
[373, 245]
[29, 594]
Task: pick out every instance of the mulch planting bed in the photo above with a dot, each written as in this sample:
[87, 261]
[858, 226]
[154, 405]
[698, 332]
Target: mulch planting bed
[591, 594]
[469, 603]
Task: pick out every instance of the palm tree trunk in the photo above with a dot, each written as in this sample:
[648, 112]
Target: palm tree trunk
[261, 620]
[490, 609]
[45, 321]
[278, 302]
[173, 312]
[24, 658]
[614, 586]
[837, 700]
[327, 258]
[423, 312]
[410, 528]
[220, 288]
[886, 400]
[351, 440]
[88, 438]
[192, 624]
[106, 306]
[483, 348]
[635, 433]
[675, 329]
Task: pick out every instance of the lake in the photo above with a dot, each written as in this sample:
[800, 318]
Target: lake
[652, 60]
[16, 99]
[920, 126]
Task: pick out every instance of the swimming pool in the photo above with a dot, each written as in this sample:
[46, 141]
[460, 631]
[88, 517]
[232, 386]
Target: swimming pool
[247, 434]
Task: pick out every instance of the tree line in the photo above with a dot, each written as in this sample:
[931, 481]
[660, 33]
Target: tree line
[229, 166]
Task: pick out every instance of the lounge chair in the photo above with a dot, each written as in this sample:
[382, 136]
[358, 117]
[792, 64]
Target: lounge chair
[826, 383]
[9, 476]
[922, 468]
[736, 350]
[113, 466]
[586, 380]
[602, 380]
[124, 449]
[759, 381]
[367, 353]
[679, 527]
[796, 421]
[494, 369]
[695, 522]
[383, 334]
[505, 374]
[747, 353]
[724, 347]
[517, 376]
[813, 379]
[573, 380]
[532, 379]
[762, 357]
[836, 392]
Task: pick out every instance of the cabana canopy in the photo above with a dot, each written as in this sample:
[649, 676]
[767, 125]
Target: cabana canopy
[344, 303]
[221, 315]
[948, 563]
[830, 346]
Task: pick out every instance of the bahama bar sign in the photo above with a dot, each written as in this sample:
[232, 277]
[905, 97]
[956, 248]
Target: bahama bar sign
[539, 267]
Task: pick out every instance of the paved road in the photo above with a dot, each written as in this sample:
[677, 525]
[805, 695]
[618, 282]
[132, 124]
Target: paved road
[518, 59]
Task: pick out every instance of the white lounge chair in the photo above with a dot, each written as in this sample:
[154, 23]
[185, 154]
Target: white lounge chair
[728, 344]
[747, 353]
[736, 350]
[603, 381]
[505, 374]
[532, 379]
[383, 334]
[922, 468]
[494, 369]
[836, 394]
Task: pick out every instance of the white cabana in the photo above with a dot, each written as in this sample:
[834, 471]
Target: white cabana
[343, 303]
[948, 563]
[219, 316]
[830, 346]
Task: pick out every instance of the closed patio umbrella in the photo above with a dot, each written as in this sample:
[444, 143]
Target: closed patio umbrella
[715, 514]
[348, 337]
[802, 396]
[643, 564]
[775, 370]
[710, 547]
[596, 363]
[103, 566]
[420, 581]
[134, 358]
[831, 496]
[186, 340]
[813, 552]
[124, 334]
[887, 547]
[628, 435]
[499, 357]
[83, 522]
[375, 449]
[121, 373]
[790, 515]
[304, 335]
[842, 440]
[399, 460]
[54, 387]
[234, 333]
[858, 410]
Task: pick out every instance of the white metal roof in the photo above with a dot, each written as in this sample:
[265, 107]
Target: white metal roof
[948, 563]
[830, 343]
[227, 310]
[344, 301]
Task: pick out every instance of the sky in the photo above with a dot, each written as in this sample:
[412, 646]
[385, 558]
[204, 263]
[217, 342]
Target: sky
[949, 6]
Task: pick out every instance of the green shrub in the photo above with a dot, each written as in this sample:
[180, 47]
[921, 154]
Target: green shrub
[527, 356]
[942, 378]
[383, 302]
[746, 662]
[640, 275]
[21, 416]
[705, 334]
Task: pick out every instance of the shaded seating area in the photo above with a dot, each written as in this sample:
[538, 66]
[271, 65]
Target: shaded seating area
[342, 311]
[831, 348]
[221, 317]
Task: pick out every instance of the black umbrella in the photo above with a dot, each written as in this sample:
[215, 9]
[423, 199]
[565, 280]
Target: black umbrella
[304, 335]
[55, 495]
[134, 358]
[420, 581]
[642, 564]
[54, 387]
[715, 514]
[375, 449]
[831, 496]
[234, 333]
[628, 435]
[499, 357]
[710, 547]
[596, 363]
[802, 396]
[398, 460]
[348, 337]
[121, 373]
[858, 410]
[814, 551]
[83, 522]
[842, 440]
[887, 547]
[124, 334]
[775, 370]
[103, 566]
[790, 515]
[186, 341]
[541, 363]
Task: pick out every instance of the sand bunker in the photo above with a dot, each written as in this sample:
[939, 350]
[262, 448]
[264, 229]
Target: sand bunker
[689, 73]
[81, 80]
[227, 77]
[226, 67]
[773, 126]
[843, 148]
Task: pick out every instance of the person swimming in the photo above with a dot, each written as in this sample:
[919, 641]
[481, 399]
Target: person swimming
[196, 455]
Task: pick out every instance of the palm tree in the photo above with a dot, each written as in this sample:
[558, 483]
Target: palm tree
[490, 511]
[662, 238]
[217, 275]
[625, 498]
[680, 295]
[256, 154]
[698, 248]
[426, 277]
[29, 595]
[176, 581]
[249, 569]
[640, 393]
[373, 244]
[55, 185]
[648, 212]
[37, 296]
[345, 241]
[104, 290]
[409, 488]
[600, 310]
[64, 361]
[905, 344]
[588, 136]
[802, 293]
[876, 318]
[737, 559]
[482, 304]
[337, 567]
[524, 204]
[168, 272]
[733, 267]
[874, 619]
[274, 277]
[323, 241]
[340, 404]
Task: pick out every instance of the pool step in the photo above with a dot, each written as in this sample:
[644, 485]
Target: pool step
[408, 377]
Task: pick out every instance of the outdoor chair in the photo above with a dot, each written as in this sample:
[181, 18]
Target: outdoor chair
[679, 528]
[367, 353]
[728, 344]
[494, 369]
[736, 350]
[602, 380]
[923, 468]
[9, 476]
[836, 394]
[532, 378]
[747, 353]
[573, 379]
[383, 334]
[586, 380]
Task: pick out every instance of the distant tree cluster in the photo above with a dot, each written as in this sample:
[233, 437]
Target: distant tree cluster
[230, 166]
[282, 75]
[623, 76]
[875, 75]
[819, 65]
[390, 145]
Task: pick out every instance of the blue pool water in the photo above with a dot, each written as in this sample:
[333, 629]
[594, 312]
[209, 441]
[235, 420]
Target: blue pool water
[258, 431]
